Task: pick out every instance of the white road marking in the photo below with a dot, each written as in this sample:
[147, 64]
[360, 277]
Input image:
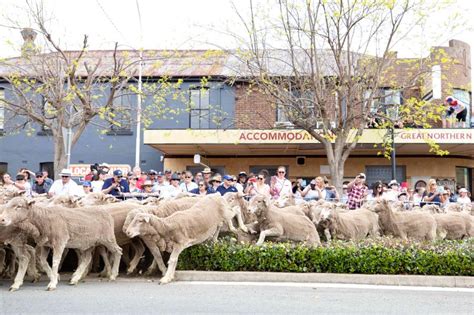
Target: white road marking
[327, 285]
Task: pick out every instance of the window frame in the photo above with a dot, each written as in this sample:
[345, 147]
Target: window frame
[199, 109]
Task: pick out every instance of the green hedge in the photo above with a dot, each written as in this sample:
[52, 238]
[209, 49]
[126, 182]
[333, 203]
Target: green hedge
[380, 256]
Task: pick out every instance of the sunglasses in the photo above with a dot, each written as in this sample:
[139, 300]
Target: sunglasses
[379, 187]
[260, 178]
[217, 181]
[187, 177]
[281, 172]
[202, 185]
[65, 176]
[133, 178]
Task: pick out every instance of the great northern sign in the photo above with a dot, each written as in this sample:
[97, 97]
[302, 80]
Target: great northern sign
[294, 136]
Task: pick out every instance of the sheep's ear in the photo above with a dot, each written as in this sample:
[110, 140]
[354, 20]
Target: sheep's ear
[147, 219]
[240, 194]
[110, 198]
[31, 202]
[267, 202]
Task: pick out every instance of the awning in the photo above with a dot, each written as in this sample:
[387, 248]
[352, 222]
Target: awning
[242, 142]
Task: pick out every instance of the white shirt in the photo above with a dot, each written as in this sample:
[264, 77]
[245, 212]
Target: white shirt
[391, 195]
[282, 187]
[70, 188]
[170, 191]
[188, 187]
[157, 187]
[464, 200]
[97, 185]
[239, 187]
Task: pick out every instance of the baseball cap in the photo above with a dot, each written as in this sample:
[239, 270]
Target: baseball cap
[242, 174]
[39, 174]
[86, 184]
[118, 173]
[361, 175]
[393, 182]
[159, 174]
[463, 190]
[228, 177]
[152, 172]
[168, 171]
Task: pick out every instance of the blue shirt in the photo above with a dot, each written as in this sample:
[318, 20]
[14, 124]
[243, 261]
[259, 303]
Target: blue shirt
[222, 190]
[122, 188]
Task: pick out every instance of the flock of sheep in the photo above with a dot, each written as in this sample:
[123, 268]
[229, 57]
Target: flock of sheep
[98, 225]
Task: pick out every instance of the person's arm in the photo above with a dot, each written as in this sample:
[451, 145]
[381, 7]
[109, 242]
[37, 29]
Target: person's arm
[350, 185]
[305, 191]
[108, 186]
[126, 188]
[429, 199]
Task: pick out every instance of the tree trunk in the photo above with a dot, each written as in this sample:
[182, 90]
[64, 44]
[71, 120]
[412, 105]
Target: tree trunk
[60, 159]
[336, 168]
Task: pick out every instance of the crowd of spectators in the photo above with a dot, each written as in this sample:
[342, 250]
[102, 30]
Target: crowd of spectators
[141, 184]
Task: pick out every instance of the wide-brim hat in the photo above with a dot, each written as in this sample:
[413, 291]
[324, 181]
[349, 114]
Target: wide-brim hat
[463, 190]
[65, 172]
[147, 183]
[206, 170]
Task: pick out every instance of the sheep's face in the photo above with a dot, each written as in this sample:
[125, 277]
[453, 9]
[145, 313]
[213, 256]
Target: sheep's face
[257, 204]
[380, 206]
[15, 211]
[139, 225]
[66, 201]
[94, 199]
[325, 215]
[283, 201]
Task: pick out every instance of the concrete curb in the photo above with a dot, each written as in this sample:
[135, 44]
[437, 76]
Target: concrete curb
[394, 280]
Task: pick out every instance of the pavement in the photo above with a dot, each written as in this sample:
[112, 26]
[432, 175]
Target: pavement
[142, 296]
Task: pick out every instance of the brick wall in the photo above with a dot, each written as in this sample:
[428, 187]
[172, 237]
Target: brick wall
[253, 110]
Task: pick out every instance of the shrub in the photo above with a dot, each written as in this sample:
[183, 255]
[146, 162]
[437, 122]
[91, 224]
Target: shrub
[376, 256]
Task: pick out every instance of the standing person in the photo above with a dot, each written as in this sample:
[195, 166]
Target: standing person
[377, 192]
[188, 183]
[141, 179]
[22, 184]
[87, 187]
[214, 183]
[98, 181]
[418, 196]
[227, 186]
[65, 185]
[451, 196]
[311, 192]
[463, 198]
[40, 186]
[279, 184]
[132, 184]
[241, 183]
[173, 189]
[324, 192]
[198, 177]
[344, 197]
[206, 174]
[161, 184]
[393, 192]
[7, 182]
[356, 192]
[168, 175]
[47, 179]
[203, 189]
[458, 109]
[147, 187]
[115, 185]
[258, 187]
[434, 194]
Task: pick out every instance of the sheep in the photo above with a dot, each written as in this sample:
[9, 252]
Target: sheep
[185, 228]
[96, 198]
[454, 225]
[282, 224]
[60, 228]
[154, 243]
[349, 225]
[408, 224]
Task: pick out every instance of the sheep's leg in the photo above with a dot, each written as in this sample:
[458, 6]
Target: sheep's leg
[155, 251]
[138, 250]
[152, 268]
[63, 257]
[240, 221]
[43, 256]
[107, 271]
[275, 231]
[172, 262]
[85, 257]
[327, 233]
[11, 266]
[32, 271]
[126, 255]
[57, 254]
[216, 234]
[116, 251]
[23, 260]
[3, 255]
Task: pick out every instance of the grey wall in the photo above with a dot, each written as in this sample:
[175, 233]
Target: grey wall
[22, 150]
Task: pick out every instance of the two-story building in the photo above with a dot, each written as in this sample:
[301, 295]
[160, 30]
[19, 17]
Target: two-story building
[234, 129]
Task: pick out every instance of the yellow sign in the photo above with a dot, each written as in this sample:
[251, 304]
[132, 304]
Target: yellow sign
[276, 136]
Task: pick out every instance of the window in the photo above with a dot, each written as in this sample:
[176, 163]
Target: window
[120, 113]
[386, 101]
[2, 110]
[303, 103]
[199, 112]
[384, 173]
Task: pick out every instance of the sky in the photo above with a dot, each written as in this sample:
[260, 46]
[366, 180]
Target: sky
[183, 24]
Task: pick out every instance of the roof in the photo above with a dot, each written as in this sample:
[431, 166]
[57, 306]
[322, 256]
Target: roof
[178, 63]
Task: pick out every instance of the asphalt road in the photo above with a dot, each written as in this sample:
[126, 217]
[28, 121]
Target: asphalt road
[141, 297]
